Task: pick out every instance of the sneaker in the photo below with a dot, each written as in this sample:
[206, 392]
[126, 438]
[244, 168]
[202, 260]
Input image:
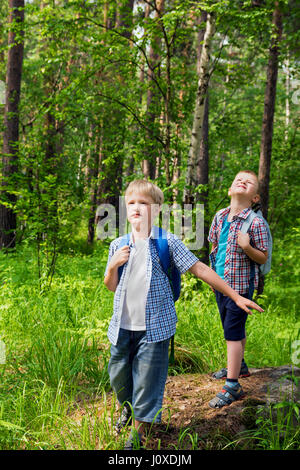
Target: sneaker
[134, 441]
[124, 419]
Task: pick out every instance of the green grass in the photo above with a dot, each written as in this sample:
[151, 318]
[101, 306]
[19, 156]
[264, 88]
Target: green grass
[269, 334]
[57, 349]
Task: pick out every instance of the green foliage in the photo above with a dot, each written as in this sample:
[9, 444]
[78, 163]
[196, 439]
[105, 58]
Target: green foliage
[56, 338]
[85, 81]
[85, 106]
[57, 348]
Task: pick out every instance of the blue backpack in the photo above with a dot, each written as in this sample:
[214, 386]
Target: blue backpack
[162, 248]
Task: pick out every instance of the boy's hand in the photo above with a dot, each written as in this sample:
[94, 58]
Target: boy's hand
[243, 240]
[120, 257]
[259, 257]
[245, 304]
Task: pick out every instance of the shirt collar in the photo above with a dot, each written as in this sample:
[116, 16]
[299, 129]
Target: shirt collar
[241, 215]
[153, 234]
[131, 242]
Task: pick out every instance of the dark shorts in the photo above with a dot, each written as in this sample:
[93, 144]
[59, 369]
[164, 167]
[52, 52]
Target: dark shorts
[233, 318]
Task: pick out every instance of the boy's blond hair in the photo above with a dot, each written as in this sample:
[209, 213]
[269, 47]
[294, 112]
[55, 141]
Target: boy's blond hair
[147, 188]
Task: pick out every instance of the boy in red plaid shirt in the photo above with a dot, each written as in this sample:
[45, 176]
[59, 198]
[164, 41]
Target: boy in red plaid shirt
[236, 257]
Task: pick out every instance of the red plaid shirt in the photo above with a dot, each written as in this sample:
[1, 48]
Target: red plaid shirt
[237, 263]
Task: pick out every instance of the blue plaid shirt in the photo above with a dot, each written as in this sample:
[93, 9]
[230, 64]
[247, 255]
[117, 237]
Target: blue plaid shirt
[161, 315]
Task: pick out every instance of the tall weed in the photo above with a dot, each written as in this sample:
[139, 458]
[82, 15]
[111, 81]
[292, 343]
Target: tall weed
[57, 351]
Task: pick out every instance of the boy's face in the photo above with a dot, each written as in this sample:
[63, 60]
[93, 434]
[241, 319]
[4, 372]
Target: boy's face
[245, 185]
[141, 211]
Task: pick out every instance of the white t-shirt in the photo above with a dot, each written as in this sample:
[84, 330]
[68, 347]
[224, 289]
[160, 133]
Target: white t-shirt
[134, 307]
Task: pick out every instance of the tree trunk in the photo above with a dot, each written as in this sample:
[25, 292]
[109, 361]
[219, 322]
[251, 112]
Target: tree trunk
[8, 222]
[197, 130]
[202, 179]
[2, 73]
[109, 172]
[268, 119]
[287, 100]
[93, 165]
[124, 17]
[202, 164]
[186, 62]
[149, 162]
[269, 109]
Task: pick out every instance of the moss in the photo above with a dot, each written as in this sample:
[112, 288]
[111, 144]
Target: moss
[249, 413]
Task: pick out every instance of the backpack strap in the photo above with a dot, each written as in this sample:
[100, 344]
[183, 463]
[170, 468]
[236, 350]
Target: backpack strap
[123, 242]
[248, 221]
[244, 229]
[162, 248]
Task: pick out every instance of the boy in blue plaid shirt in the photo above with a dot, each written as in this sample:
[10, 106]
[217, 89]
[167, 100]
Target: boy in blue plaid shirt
[236, 257]
[144, 317]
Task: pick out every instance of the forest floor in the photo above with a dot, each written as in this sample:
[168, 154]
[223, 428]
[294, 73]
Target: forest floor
[188, 421]
[187, 398]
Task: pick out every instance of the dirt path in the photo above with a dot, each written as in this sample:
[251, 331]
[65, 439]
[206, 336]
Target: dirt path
[188, 421]
[186, 406]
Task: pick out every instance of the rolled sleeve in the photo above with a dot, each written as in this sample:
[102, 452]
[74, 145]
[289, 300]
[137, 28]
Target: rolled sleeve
[259, 234]
[183, 258]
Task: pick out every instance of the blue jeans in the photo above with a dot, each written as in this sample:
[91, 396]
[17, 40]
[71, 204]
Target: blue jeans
[138, 372]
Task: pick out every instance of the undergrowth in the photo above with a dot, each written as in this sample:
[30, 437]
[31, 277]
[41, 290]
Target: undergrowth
[57, 352]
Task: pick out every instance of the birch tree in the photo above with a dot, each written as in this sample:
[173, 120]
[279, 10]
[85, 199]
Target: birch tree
[197, 128]
[153, 98]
